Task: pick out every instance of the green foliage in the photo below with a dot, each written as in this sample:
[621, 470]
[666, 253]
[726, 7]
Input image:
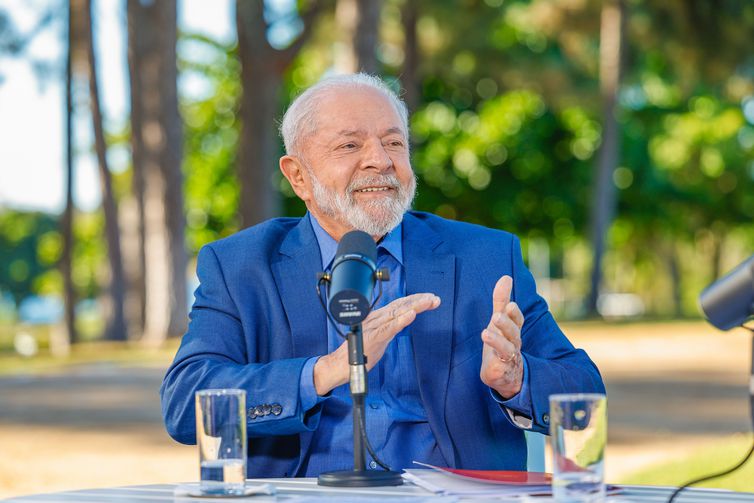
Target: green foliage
[512, 163]
[30, 247]
[211, 140]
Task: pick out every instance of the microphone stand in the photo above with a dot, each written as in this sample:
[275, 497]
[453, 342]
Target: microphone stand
[359, 476]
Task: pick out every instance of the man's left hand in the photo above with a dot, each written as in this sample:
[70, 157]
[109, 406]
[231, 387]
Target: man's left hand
[502, 365]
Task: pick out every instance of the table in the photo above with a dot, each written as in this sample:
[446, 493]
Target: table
[288, 489]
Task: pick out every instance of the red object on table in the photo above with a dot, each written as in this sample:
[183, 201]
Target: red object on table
[510, 477]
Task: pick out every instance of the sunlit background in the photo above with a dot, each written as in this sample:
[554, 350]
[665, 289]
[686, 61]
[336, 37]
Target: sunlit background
[615, 138]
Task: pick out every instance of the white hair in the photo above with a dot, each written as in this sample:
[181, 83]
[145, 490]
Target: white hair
[300, 118]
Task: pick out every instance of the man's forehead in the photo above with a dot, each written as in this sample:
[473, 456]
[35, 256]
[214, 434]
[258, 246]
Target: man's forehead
[335, 115]
[351, 102]
[355, 132]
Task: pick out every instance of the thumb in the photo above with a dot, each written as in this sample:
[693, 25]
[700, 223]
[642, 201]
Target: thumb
[501, 295]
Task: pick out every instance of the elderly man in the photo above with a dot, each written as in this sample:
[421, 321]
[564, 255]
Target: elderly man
[462, 353]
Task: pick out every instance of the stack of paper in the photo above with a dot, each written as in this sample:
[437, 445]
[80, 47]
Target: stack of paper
[454, 482]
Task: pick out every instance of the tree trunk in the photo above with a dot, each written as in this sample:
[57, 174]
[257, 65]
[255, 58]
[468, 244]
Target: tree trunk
[115, 323]
[258, 149]
[717, 254]
[132, 209]
[171, 158]
[156, 139]
[603, 207]
[359, 22]
[675, 278]
[66, 224]
[367, 36]
[262, 69]
[409, 74]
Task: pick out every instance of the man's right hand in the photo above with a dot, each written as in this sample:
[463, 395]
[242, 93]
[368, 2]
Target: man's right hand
[378, 329]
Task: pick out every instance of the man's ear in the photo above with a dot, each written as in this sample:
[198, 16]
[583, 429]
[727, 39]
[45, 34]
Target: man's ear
[295, 172]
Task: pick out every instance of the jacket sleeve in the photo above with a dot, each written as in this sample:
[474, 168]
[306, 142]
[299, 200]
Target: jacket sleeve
[214, 353]
[554, 365]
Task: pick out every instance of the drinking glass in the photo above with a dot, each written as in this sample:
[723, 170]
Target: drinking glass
[578, 434]
[221, 437]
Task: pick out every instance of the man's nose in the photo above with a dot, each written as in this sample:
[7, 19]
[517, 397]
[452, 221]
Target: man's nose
[376, 157]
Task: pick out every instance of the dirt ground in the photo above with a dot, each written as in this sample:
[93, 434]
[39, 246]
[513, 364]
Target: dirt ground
[672, 388]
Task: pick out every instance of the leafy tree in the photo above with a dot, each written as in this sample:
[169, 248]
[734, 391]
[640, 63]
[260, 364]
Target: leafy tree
[30, 248]
[32, 245]
[211, 140]
[511, 163]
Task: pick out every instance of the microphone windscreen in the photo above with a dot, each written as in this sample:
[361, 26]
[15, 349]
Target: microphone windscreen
[358, 242]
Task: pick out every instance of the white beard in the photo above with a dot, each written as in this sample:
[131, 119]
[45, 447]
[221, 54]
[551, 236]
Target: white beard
[376, 217]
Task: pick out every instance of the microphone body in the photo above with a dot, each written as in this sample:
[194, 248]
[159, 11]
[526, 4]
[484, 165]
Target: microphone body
[352, 278]
[729, 301]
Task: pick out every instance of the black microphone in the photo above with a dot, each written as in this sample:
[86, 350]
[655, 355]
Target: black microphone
[351, 283]
[729, 301]
[352, 278]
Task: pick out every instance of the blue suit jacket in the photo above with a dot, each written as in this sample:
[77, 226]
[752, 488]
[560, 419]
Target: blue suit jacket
[256, 319]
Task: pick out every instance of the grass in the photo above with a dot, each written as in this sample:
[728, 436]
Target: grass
[703, 462]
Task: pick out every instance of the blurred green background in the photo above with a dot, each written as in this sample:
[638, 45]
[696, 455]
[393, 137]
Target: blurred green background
[615, 137]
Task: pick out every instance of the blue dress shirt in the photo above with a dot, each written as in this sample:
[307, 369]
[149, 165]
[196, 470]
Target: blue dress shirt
[396, 421]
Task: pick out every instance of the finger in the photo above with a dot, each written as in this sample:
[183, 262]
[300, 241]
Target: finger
[501, 295]
[393, 309]
[392, 318]
[506, 327]
[515, 314]
[501, 346]
[406, 312]
[421, 302]
[417, 302]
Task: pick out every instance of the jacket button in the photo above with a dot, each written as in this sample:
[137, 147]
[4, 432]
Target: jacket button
[276, 409]
[266, 409]
[251, 413]
[546, 418]
[258, 410]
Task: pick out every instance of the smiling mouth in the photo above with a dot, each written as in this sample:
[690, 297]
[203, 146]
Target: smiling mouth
[374, 189]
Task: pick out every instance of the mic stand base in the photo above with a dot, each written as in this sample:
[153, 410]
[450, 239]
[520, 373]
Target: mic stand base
[360, 478]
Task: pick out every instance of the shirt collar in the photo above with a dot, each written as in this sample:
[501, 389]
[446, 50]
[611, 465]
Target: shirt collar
[391, 243]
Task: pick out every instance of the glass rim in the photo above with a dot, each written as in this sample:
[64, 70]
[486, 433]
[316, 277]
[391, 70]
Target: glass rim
[221, 392]
[575, 397]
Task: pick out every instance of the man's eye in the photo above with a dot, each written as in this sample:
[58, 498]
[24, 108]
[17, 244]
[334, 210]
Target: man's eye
[348, 146]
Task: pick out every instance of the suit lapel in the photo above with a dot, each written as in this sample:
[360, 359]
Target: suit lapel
[430, 269]
[296, 275]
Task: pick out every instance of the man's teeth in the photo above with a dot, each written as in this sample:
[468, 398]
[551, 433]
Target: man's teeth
[373, 189]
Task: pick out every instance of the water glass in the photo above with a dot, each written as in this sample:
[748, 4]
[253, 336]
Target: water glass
[578, 434]
[221, 437]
